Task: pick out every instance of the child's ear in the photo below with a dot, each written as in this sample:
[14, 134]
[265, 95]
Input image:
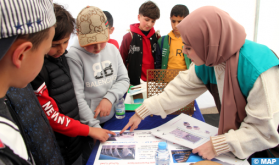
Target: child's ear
[111, 30]
[139, 17]
[20, 53]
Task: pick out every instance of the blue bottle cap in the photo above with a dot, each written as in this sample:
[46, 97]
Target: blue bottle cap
[162, 145]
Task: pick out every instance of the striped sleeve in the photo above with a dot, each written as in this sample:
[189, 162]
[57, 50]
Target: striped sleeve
[220, 145]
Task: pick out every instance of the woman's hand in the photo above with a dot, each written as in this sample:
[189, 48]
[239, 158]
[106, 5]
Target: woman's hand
[206, 151]
[134, 121]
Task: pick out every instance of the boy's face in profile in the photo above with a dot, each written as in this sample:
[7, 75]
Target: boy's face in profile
[174, 22]
[32, 61]
[146, 23]
[95, 48]
[58, 47]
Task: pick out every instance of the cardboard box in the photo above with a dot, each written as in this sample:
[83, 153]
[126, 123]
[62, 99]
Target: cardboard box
[138, 94]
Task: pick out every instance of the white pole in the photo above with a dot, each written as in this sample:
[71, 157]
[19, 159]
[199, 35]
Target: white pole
[257, 13]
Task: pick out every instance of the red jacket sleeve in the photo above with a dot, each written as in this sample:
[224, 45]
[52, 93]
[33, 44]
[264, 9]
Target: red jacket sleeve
[124, 47]
[114, 42]
[59, 122]
[117, 45]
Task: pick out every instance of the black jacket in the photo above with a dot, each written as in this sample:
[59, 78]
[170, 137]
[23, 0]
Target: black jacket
[56, 75]
[134, 60]
[36, 131]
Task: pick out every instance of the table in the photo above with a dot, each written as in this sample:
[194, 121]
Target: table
[148, 123]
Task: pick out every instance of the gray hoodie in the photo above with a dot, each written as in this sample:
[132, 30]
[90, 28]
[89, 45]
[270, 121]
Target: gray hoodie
[97, 76]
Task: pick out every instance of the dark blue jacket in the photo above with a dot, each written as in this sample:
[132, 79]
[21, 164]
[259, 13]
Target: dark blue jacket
[40, 136]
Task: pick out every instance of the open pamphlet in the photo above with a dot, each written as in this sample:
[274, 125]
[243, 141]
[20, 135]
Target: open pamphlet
[185, 130]
[139, 147]
[189, 132]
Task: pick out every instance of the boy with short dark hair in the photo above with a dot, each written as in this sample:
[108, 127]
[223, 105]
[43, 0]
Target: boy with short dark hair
[111, 28]
[169, 55]
[54, 89]
[26, 35]
[138, 47]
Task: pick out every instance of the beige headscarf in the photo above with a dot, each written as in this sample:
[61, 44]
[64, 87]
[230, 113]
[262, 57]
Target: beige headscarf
[217, 38]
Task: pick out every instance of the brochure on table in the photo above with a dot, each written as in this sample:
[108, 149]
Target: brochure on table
[189, 132]
[139, 148]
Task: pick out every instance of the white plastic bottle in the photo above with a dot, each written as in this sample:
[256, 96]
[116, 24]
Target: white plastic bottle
[162, 156]
[120, 109]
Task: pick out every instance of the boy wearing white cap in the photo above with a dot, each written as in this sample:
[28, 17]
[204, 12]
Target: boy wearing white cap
[27, 29]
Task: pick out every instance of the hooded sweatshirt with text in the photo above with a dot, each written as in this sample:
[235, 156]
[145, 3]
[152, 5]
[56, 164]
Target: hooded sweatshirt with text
[95, 77]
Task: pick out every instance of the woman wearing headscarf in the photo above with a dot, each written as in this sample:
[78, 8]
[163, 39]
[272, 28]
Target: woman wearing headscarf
[241, 75]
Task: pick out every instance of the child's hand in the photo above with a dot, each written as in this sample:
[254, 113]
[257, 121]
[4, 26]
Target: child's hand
[134, 121]
[206, 151]
[103, 108]
[99, 133]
